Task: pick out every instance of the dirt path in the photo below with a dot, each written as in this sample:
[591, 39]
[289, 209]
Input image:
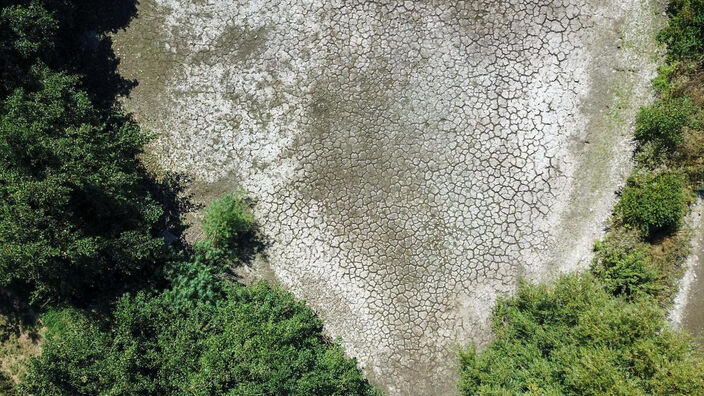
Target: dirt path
[411, 160]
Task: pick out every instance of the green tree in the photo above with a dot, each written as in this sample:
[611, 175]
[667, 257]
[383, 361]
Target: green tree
[76, 218]
[254, 341]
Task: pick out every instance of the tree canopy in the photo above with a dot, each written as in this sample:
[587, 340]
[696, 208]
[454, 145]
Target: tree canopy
[205, 335]
[77, 217]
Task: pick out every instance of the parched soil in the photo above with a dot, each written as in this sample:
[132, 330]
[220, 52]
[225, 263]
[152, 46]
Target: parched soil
[687, 311]
[410, 160]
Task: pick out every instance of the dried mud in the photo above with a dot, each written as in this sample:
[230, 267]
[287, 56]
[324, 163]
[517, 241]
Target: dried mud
[410, 160]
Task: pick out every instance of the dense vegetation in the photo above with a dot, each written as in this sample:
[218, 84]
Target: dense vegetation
[575, 338]
[123, 313]
[76, 217]
[604, 333]
[204, 336]
[81, 225]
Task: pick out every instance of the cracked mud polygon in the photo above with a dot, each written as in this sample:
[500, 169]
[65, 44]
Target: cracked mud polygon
[410, 161]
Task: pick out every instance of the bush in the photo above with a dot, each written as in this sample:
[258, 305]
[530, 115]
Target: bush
[627, 272]
[199, 279]
[255, 341]
[575, 339]
[663, 123]
[228, 223]
[653, 204]
[684, 33]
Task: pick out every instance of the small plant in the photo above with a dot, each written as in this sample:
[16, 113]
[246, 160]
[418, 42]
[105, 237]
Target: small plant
[664, 122]
[228, 221]
[653, 204]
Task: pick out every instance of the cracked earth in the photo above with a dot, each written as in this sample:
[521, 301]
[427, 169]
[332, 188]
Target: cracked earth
[410, 161]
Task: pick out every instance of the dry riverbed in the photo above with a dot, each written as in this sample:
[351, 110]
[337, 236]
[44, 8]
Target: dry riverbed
[409, 160]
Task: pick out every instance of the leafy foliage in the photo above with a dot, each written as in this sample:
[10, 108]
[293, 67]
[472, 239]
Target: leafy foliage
[77, 217]
[684, 35]
[228, 222]
[663, 122]
[26, 33]
[653, 203]
[574, 338]
[254, 341]
[629, 273]
[198, 279]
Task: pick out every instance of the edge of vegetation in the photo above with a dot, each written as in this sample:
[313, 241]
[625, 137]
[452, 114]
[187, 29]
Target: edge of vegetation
[605, 332]
[98, 295]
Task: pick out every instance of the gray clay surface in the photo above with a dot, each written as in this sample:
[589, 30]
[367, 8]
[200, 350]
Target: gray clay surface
[410, 160]
[687, 311]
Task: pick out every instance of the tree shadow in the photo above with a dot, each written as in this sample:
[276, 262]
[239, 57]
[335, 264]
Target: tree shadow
[250, 245]
[15, 317]
[172, 193]
[85, 47]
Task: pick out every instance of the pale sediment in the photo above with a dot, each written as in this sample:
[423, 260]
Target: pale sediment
[687, 311]
[410, 160]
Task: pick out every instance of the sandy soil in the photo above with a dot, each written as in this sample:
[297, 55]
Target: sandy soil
[687, 311]
[410, 160]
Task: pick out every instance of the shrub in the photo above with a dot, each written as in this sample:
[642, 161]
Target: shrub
[627, 272]
[663, 123]
[653, 204]
[684, 33]
[574, 338]
[228, 222]
[199, 279]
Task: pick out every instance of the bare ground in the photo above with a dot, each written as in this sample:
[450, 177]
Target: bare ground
[410, 160]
